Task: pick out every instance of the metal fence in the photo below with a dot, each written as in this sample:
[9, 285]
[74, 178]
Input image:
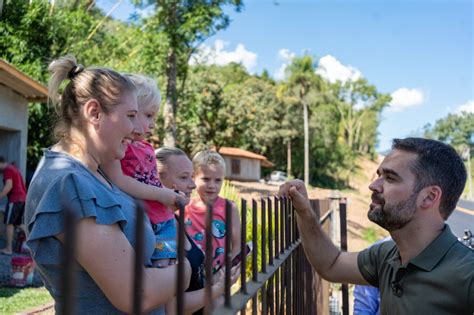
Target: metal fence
[276, 278]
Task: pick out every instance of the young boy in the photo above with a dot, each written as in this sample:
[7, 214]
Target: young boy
[209, 170]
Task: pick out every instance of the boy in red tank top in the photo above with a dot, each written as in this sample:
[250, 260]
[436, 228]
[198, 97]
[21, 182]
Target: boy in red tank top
[209, 170]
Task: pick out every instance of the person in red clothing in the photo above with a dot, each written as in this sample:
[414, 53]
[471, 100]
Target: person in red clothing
[15, 190]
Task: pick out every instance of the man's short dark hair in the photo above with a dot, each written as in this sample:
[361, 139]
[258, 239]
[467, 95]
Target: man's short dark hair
[2, 159]
[437, 164]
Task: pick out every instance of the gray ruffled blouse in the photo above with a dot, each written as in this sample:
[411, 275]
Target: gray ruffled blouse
[62, 180]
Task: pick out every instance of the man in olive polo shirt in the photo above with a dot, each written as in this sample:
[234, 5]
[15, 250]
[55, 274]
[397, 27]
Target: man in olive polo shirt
[424, 270]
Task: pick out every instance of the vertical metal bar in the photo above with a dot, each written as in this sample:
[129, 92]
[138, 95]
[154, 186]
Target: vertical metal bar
[282, 289]
[301, 286]
[271, 295]
[292, 221]
[308, 285]
[254, 304]
[263, 292]
[277, 229]
[67, 306]
[295, 227]
[228, 252]
[254, 253]
[343, 220]
[180, 269]
[294, 279]
[270, 232]
[263, 235]
[288, 285]
[208, 261]
[243, 240]
[277, 291]
[254, 241]
[138, 265]
[282, 224]
[287, 229]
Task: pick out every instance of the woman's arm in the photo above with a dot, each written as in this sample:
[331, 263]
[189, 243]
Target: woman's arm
[137, 189]
[107, 256]
[195, 300]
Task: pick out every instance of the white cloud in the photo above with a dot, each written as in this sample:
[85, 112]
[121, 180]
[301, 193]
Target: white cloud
[219, 56]
[404, 98]
[333, 70]
[467, 107]
[284, 56]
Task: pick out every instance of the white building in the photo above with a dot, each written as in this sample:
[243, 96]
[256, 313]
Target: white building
[16, 91]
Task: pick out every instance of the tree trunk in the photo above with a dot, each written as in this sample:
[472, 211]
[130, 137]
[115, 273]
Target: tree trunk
[169, 110]
[306, 143]
[288, 158]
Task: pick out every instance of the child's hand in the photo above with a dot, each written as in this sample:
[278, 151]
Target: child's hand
[171, 198]
[181, 199]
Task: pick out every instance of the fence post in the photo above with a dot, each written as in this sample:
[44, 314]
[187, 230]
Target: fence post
[343, 220]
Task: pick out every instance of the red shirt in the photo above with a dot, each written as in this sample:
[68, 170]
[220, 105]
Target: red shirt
[140, 163]
[18, 191]
[195, 224]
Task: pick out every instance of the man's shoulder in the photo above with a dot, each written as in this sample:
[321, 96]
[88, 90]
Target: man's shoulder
[461, 255]
[384, 247]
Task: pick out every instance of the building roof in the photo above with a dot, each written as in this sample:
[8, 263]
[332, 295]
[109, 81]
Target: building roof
[246, 154]
[30, 89]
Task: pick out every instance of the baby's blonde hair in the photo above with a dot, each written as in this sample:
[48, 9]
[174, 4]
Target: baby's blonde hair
[146, 89]
[207, 157]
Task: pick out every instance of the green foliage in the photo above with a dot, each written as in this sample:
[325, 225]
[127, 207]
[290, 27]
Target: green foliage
[219, 105]
[455, 129]
[17, 300]
[184, 25]
[369, 235]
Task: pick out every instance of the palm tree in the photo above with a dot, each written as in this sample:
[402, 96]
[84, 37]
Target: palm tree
[305, 85]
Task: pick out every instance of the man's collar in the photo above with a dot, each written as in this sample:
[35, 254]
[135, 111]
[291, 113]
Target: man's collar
[435, 251]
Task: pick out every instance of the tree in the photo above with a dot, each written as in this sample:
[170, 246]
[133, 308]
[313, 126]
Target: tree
[185, 25]
[359, 105]
[32, 34]
[306, 85]
[458, 131]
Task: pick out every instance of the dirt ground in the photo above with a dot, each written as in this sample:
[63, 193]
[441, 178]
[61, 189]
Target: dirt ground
[358, 199]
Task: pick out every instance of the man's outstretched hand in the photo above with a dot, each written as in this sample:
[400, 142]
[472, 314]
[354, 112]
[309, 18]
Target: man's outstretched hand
[296, 191]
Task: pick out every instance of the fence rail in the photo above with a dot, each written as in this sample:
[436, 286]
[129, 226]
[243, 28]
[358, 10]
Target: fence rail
[282, 280]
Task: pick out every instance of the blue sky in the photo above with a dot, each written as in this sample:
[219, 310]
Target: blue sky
[420, 52]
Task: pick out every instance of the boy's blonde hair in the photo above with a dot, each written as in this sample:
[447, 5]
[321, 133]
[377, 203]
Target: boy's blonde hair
[146, 89]
[207, 157]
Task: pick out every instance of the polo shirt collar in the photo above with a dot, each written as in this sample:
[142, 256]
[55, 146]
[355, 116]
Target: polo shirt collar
[435, 251]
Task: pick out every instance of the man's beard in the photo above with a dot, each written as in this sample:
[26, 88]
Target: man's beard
[392, 217]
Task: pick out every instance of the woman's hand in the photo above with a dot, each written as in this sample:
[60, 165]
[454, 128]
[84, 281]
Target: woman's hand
[218, 280]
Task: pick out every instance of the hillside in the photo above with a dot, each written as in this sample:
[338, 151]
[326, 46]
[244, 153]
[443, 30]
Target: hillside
[362, 232]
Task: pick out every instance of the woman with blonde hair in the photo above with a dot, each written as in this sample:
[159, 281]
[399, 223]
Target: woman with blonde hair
[97, 115]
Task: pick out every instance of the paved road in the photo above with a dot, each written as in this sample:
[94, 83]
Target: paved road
[462, 218]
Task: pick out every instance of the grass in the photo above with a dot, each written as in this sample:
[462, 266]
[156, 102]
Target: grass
[14, 300]
[370, 235]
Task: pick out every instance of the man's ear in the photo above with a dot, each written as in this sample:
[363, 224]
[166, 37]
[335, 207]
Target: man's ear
[92, 111]
[431, 196]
